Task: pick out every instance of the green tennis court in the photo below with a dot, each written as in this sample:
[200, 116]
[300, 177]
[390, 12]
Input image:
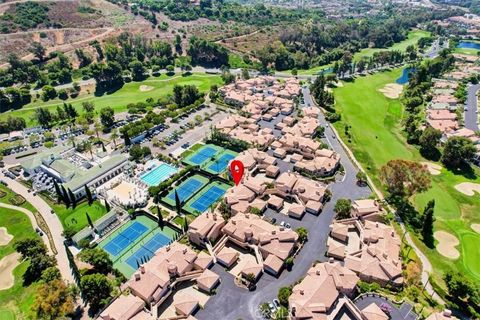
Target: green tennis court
[136, 240]
[203, 155]
[220, 163]
[186, 189]
[206, 197]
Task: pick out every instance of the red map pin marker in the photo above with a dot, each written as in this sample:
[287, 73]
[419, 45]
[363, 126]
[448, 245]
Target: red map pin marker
[236, 169]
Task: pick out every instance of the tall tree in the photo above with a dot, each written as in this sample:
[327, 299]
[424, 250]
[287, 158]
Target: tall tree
[89, 220]
[161, 223]
[58, 192]
[96, 289]
[107, 206]
[89, 195]
[427, 228]
[342, 208]
[458, 150]
[405, 178]
[178, 203]
[98, 258]
[66, 197]
[72, 198]
[54, 300]
[429, 140]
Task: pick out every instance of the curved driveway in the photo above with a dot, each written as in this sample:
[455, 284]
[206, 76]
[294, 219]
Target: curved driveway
[232, 302]
[52, 221]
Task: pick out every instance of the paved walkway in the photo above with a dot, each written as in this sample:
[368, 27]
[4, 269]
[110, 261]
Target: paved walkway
[471, 116]
[52, 221]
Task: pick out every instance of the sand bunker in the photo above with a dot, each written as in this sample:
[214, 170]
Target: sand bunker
[433, 168]
[5, 237]
[7, 264]
[468, 188]
[475, 227]
[144, 88]
[392, 90]
[446, 244]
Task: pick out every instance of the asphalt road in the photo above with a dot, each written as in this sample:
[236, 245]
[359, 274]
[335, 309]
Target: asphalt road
[471, 115]
[232, 302]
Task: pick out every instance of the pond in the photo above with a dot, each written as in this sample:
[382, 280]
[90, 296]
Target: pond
[405, 76]
[469, 45]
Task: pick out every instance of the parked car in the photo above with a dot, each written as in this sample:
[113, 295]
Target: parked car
[276, 303]
[282, 224]
[288, 226]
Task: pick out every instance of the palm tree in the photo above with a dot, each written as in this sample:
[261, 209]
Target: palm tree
[98, 126]
[114, 136]
[88, 147]
[72, 141]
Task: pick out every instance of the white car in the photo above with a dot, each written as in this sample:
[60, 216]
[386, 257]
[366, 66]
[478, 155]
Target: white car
[282, 224]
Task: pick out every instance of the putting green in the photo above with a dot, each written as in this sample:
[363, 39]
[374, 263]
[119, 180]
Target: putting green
[471, 253]
[6, 314]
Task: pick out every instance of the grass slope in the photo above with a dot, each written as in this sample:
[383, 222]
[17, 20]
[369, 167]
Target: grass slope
[412, 39]
[376, 138]
[16, 302]
[129, 93]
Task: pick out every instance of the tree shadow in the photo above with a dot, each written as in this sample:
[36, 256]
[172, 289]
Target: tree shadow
[432, 155]
[464, 170]
[107, 88]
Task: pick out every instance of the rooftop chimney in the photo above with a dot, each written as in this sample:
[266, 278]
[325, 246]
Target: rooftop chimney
[142, 269]
[302, 292]
[331, 260]
[137, 276]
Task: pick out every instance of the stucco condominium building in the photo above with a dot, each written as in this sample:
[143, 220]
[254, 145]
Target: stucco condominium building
[275, 243]
[316, 295]
[154, 280]
[370, 249]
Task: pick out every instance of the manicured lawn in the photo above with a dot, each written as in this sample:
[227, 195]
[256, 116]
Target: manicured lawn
[412, 38]
[16, 301]
[77, 218]
[374, 120]
[376, 137]
[158, 87]
[472, 52]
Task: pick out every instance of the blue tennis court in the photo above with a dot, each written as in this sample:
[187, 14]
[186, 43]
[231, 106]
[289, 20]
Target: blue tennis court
[125, 237]
[221, 163]
[186, 189]
[148, 249]
[208, 198]
[203, 155]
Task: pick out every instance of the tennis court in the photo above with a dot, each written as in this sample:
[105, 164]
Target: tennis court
[186, 189]
[208, 196]
[202, 155]
[136, 239]
[125, 238]
[219, 165]
[147, 250]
